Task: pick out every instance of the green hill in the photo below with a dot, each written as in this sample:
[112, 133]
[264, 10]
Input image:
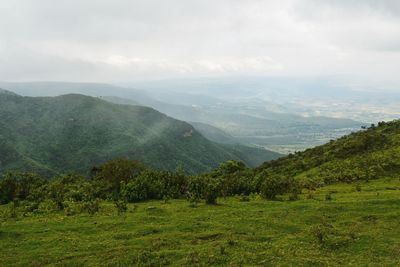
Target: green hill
[364, 155]
[74, 132]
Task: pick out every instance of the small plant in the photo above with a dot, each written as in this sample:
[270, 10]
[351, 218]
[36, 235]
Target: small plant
[244, 198]
[231, 242]
[12, 210]
[193, 258]
[193, 200]
[121, 206]
[72, 208]
[166, 199]
[358, 187]
[47, 205]
[321, 232]
[222, 250]
[331, 237]
[255, 196]
[293, 196]
[328, 196]
[31, 206]
[310, 194]
[91, 206]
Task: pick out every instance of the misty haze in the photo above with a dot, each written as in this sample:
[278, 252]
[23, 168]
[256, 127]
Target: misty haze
[199, 133]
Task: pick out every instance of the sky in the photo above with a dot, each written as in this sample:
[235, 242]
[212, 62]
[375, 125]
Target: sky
[127, 40]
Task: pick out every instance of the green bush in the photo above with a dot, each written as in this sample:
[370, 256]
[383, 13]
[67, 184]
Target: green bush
[121, 206]
[72, 208]
[211, 191]
[91, 206]
[112, 174]
[273, 186]
[48, 205]
[19, 185]
[204, 187]
[144, 186]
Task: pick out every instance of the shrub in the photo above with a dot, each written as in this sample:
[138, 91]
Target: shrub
[193, 199]
[144, 186]
[293, 196]
[173, 184]
[272, 186]
[244, 198]
[211, 191]
[204, 187]
[321, 232]
[358, 187]
[72, 207]
[48, 205]
[195, 189]
[121, 206]
[310, 194]
[112, 174]
[91, 206]
[19, 185]
[30, 206]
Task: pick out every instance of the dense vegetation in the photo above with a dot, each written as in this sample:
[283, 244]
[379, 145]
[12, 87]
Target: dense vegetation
[53, 135]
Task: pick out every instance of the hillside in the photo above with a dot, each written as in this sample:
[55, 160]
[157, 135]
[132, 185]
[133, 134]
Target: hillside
[74, 132]
[364, 155]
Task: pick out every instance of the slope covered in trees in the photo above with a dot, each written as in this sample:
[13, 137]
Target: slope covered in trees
[71, 133]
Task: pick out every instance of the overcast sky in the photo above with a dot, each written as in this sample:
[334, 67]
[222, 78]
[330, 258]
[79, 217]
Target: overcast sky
[123, 40]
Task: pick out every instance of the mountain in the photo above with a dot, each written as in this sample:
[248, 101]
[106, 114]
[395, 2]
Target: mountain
[364, 155]
[249, 119]
[74, 132]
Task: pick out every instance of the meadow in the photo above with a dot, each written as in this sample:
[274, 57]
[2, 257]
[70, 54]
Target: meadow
[337, 225]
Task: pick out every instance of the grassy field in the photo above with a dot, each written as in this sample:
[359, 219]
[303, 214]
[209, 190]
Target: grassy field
[358, 226]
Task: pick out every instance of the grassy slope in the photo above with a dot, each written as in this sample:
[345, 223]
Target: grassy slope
[365, 232]
[75, 132]
[373, 151]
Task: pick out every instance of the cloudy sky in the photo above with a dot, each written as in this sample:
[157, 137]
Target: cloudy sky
[123, 40]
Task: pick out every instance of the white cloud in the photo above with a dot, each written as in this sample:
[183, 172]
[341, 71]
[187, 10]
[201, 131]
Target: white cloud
[130, 39]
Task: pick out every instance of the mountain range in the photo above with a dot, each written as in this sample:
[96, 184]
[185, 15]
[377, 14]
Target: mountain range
[73, 132]
[246, 120]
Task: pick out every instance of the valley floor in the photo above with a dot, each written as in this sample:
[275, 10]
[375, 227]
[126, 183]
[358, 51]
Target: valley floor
[358, 226]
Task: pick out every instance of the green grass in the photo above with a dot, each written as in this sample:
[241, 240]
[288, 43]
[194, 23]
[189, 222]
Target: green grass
[360, 228]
